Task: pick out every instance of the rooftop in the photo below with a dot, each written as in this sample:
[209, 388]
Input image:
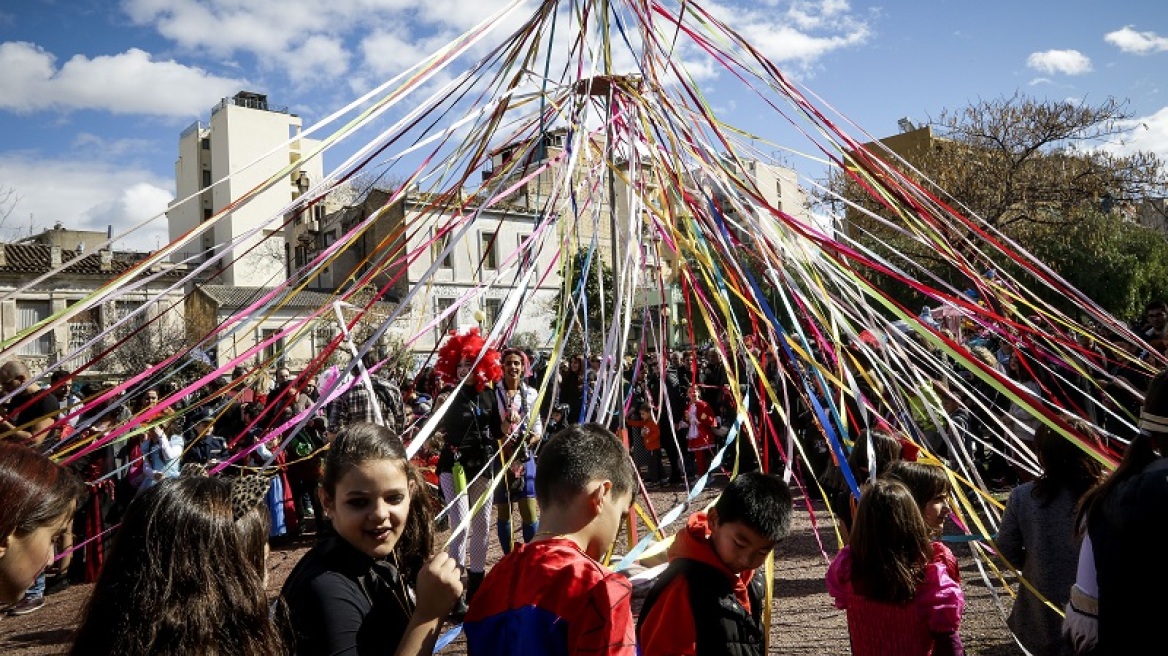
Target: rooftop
[231, 296]
[37, 258]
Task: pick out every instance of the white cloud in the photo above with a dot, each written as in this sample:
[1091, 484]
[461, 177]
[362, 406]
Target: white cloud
[113, 148]
[320, 55]
[1040, 80]
[804, 33]
[300, 37]
[86, 194]
[388, 52]
[1146, 134]
[1067, 62]
[127, 83]
[1137, 43]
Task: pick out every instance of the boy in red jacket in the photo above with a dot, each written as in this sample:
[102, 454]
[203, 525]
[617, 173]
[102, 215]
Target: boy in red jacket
[552, 597]
[708, 600]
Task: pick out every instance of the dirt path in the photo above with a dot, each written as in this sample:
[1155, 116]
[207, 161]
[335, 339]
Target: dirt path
[803, 620]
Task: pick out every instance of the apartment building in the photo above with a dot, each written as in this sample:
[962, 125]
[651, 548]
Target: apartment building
[244, 144]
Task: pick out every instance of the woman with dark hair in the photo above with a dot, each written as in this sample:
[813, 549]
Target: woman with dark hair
[1125, 520]
[1037, 536]
[517, 428]
[572, 388]
[185, 575]
[38, 502]
[351, 593]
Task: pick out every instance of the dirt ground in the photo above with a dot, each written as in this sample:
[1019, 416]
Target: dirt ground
[804, 622]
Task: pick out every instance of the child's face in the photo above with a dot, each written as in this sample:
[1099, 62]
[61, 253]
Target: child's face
[557, 416]
[693, 394]
[370, 506]
[646, 415]
[935, 512]
[24, 557]
[738, 546]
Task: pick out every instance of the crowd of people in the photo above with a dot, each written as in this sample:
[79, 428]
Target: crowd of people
[222, 473]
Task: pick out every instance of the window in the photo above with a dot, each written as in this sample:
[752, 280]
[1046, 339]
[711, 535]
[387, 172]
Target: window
[273, 352]
[82, 328]
[321, 336]
[205, 142]
[206, 178]
[445, 325]
[207, 213]
[28, 314]
[439, 245]
[123, 309]
[491, 308]
[488, 248]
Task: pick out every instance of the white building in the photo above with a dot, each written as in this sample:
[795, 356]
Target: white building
[406, 230]
[245, 143]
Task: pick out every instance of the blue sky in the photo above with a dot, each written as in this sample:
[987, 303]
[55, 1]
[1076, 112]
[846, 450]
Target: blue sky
[94, 93]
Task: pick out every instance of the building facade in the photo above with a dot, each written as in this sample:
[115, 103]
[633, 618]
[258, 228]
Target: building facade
[406, 240]
[244, 144]
[153, 330]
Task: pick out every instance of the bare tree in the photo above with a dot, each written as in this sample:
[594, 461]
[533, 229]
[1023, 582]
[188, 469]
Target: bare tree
[9, 199]
[146, 341]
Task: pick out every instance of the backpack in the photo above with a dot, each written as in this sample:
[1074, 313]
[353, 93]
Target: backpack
[389, 399]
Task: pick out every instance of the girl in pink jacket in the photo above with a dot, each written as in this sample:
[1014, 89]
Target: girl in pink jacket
[899, 599]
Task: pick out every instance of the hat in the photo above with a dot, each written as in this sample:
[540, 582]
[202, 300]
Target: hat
[1154, 413]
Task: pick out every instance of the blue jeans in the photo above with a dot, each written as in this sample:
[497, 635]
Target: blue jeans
[38, 587]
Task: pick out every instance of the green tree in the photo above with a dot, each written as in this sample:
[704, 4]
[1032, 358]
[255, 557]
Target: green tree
[585, 310]
[1116, 262]
[1035, 170]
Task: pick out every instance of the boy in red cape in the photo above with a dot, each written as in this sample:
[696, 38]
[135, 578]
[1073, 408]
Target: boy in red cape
[551, 597]
[708, 601]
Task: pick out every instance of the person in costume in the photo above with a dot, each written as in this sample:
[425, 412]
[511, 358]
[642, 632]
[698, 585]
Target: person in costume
[552, 596]
[651, 440]
[1123, 523]
[352, 592]
[899, 600]
[699, 423]
[518, 433]
[470, 447]
[709, 600]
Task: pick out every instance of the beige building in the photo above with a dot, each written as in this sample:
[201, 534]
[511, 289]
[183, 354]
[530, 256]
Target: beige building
[296, 341]
[244, 144]
[145, 337]
[406, 231]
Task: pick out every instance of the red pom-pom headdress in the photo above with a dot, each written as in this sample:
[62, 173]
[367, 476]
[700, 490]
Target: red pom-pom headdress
[468, 345]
